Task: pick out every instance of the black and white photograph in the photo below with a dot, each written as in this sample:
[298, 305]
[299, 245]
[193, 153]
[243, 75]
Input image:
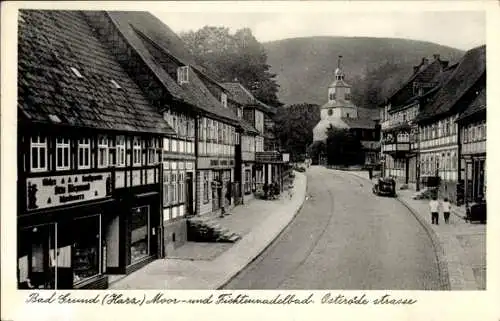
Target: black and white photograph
[161, 149]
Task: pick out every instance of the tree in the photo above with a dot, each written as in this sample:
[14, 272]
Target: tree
[294, 128]
[239, 57]
[343, 147]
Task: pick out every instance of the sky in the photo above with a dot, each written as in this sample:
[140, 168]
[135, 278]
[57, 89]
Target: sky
[458, 29]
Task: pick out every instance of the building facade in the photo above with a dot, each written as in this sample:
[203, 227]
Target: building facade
[439, 133]
[89, 171]
[472, 149]
[400, 132]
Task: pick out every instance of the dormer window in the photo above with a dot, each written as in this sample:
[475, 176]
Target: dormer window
[223, 100]
[76, 72]
[115, 84]
[183, 75]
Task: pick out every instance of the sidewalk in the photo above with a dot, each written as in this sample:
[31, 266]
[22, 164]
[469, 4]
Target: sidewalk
[460, 246]
[259, 222]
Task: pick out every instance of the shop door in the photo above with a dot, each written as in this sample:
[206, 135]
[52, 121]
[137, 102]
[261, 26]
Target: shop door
[140, 234]
[189, 193]
[37, 267]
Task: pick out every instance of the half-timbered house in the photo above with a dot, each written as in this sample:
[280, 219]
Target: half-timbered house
[89, 165]
[438, 130]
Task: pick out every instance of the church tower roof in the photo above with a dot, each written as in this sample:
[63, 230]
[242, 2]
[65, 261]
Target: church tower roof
[339, 75]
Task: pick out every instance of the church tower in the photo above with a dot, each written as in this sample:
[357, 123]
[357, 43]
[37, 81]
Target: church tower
[339, 108]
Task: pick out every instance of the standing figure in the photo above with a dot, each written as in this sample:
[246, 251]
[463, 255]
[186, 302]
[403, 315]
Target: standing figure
[434, 207]
[446, 210]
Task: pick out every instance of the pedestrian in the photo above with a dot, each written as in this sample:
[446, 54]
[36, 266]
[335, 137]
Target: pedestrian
[434, 207]
[265, 189]
[446, 210]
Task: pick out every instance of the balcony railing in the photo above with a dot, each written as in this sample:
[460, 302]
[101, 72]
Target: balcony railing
[395, 147]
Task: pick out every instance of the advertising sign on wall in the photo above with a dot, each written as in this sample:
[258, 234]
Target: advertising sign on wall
[46, 192]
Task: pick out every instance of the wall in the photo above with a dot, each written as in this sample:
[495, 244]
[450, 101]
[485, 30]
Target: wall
[174, 234]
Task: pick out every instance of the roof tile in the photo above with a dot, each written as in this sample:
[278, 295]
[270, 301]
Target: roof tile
[50, 43]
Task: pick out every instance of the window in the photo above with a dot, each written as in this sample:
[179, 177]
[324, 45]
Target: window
[84, 153]
[111, 151]
[139, 233]
[347, 96]
[347, 115]
[330, 111]
[173, 190]
[183, 74]
[102, 151]
[86, 251]
[153, 155]
[166, 186]
[76, 72]
[38, 153]
[120, 151]
[62, 153]
[180, 186]
[332, 96]
[206, 195]
[136, 152]
[223, 100]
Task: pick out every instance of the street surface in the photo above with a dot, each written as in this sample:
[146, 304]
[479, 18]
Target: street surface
[345, 237]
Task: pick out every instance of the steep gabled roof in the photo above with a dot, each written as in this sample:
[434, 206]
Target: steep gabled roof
[470, 70]
[244, 97]
[477, 105]
[51, 43]
[362, 123]
[150, 38]
[425, 73]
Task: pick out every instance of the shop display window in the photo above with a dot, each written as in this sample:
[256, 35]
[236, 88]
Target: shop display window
[139, 230]
[86, 248]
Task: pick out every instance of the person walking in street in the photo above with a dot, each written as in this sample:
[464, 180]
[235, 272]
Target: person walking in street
[434, 207]
[446, 210]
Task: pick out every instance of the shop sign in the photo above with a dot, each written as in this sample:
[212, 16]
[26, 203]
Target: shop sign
[46, 192]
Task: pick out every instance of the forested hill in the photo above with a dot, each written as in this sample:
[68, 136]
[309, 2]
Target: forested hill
[304, 66]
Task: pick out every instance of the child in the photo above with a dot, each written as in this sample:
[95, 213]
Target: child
[434, 204]
[446, 210]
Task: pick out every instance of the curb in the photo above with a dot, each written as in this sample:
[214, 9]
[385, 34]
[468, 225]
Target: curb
[444, 277]
[273, 241]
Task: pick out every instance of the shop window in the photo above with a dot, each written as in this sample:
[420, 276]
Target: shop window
[139, 233]
[206, 192]
[86, 252]
[38, 154]
[102, 151]
[83, 153]
[120, 151]
[136, 152]
[62, 153]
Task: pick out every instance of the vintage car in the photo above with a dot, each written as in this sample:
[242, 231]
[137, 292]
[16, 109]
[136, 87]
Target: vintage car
[385, 186]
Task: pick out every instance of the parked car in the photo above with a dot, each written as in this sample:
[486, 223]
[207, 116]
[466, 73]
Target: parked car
[385, 186]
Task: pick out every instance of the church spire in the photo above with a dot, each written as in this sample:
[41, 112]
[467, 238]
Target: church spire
[338, 61]
[339, 74]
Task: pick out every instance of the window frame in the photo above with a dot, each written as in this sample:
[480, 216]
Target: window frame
[136, 151]
[84, 147]
[121, 151]
[38, 145]
[102, 145]
[60, 144]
